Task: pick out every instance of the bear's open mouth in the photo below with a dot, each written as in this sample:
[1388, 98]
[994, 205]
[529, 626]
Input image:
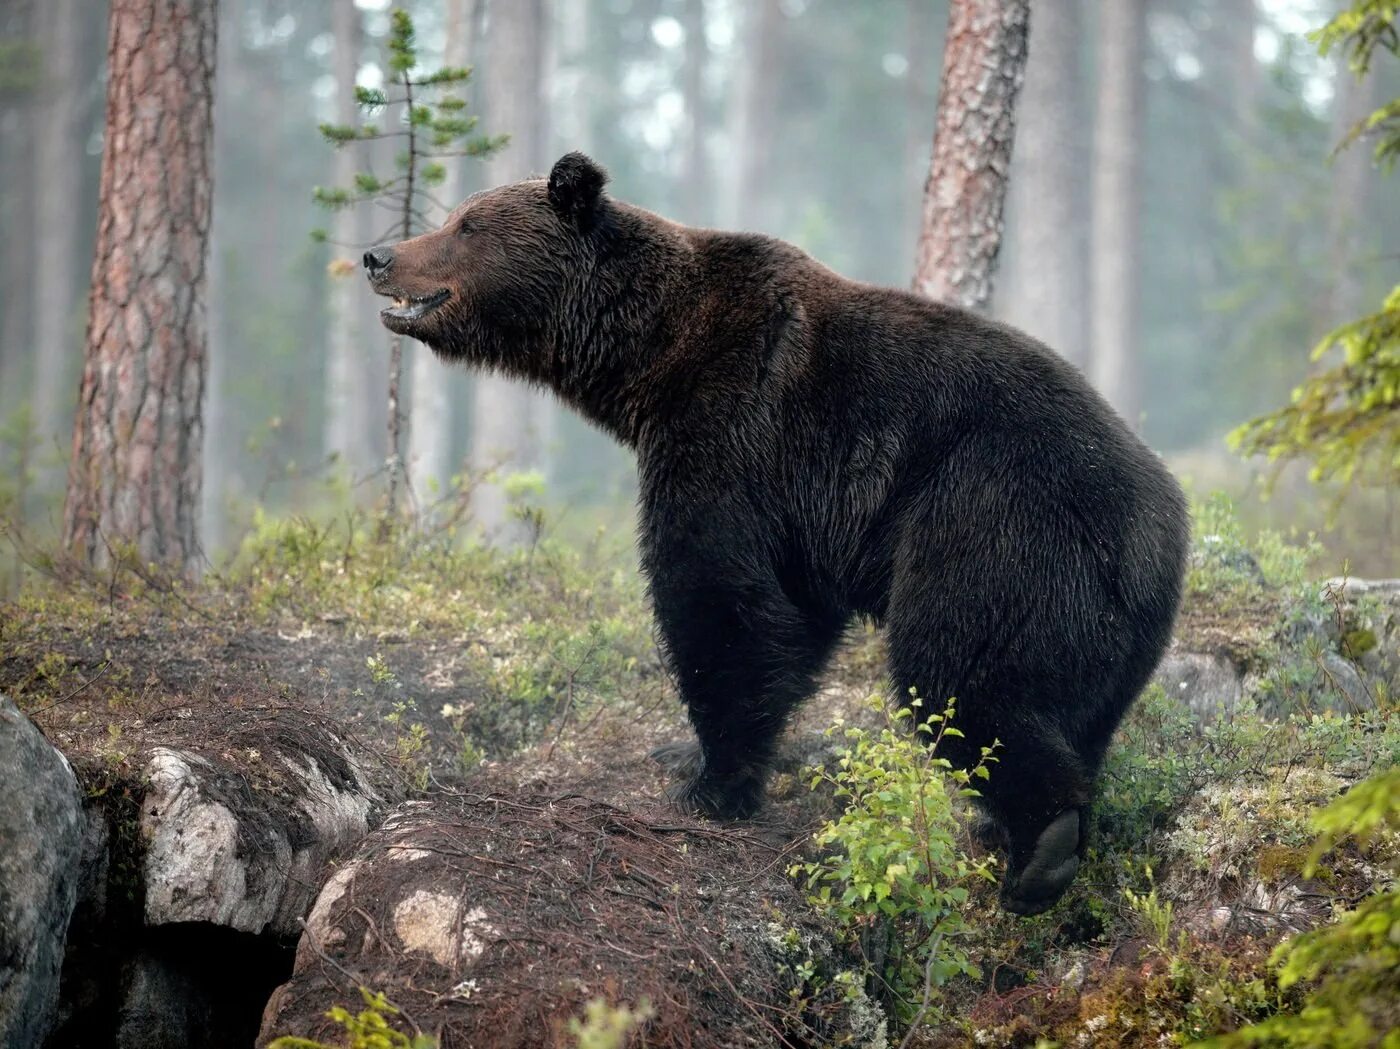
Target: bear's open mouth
[411, 308]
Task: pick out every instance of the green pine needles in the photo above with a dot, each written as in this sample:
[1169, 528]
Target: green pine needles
[425, 111]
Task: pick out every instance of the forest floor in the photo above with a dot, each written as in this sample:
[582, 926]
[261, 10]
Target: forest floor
[532, 679]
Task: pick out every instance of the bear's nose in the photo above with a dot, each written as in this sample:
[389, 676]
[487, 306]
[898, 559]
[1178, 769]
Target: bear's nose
[377, 260]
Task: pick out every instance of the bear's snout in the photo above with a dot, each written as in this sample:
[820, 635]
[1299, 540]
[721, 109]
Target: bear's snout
[377, 261]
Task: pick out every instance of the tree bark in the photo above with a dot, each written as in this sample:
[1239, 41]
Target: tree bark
[695, 177]
[346, 427]
[1349, 204]
[1117, 198]
[1046, 286]
[16, 221]
[984, 57]
[134, 477]
[505, 417]
[430, 422]
[754, 108]
[58, 160]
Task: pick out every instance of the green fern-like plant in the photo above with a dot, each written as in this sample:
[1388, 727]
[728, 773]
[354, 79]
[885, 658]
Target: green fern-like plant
[423, 109]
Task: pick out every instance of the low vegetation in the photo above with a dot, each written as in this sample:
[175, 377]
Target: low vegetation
[1227, 895]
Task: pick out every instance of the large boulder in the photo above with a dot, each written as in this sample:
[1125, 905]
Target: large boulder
[218, 828]
[224, 849]
[41, 844]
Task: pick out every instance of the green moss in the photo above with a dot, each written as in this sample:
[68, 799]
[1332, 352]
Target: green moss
[1279, 862]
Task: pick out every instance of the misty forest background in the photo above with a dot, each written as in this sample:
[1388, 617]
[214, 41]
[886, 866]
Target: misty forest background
[807, 119]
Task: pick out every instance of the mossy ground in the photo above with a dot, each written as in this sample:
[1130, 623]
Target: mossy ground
[451, 662]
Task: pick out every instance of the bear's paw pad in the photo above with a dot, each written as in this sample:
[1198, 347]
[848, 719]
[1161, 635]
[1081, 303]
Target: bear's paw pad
[1046, 875]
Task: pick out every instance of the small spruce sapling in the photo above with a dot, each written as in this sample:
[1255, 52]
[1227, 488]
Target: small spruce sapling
[422, 109]
[1345, 417]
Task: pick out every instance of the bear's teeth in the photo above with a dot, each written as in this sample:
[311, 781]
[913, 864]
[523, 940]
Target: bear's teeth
[400, 303]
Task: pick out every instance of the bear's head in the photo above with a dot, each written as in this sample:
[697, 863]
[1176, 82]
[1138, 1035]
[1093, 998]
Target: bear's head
[505, 278]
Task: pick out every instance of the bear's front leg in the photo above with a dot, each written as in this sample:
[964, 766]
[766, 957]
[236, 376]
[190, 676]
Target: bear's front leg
[743, 657]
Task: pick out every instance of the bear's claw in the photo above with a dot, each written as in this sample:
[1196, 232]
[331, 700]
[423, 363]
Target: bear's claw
[1053, 862]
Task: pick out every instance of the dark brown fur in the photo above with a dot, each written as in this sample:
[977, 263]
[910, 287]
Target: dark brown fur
[812, 449]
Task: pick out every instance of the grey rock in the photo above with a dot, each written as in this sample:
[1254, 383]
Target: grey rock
[1340, 687]
[42, 830]
[217, 852]
[163, 1007]
[1373, 605]
[1208, 684]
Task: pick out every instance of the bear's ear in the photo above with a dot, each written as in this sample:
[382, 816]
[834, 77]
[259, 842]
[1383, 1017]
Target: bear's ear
[576, 189]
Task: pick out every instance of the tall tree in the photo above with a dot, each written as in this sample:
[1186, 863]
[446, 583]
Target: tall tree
[1116, 205]
[19, 69]
[1237, 50]
[135, 471]
[695, 172]
[1350, 202]
[1046, 284]
[984, 59]
[219, 476]
[502, 429]
[753, 114]
[346, 430]
[430, 422]
[57, 181]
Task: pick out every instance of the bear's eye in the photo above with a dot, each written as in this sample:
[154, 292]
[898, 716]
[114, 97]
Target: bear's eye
[465, 226]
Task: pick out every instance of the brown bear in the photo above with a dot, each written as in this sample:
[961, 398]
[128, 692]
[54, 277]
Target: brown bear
[811, 449]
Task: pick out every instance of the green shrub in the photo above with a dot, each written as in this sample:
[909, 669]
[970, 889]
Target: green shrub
[891, 871]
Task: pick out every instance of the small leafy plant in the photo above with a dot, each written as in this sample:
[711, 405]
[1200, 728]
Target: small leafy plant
[607, 1026]
[891, 871]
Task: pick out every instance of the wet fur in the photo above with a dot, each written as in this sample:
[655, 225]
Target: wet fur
[812, 449]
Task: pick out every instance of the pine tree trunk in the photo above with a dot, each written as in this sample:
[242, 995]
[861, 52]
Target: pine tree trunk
[752, 116]
[220, 478]
[58, 161]
[502, 421]
[1045, 289]
[1237, 44]
[695, 179]
[1349, 203]
[16, 222]
[984, 57]
[346, 430]
[430, 422]
[135, 474]
[1117, 197]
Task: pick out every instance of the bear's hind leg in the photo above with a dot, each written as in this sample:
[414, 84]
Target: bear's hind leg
[1035, 802]
[1039, 793]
